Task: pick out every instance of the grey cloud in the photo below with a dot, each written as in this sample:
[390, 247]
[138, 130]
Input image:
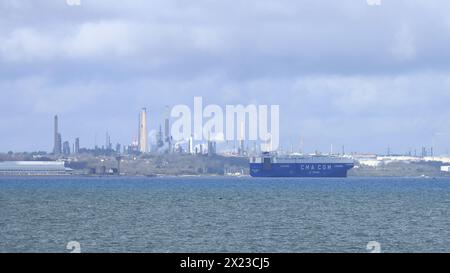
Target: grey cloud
[343, 72]
[305, 36]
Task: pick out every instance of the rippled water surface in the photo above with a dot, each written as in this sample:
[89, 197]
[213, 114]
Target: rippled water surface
[224, 214]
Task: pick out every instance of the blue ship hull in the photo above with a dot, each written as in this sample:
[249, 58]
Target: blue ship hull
[300, 169]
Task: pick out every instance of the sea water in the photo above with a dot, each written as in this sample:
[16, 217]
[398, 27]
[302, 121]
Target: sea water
[219, 214]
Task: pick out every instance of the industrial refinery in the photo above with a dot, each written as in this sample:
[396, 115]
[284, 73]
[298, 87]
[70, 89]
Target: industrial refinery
[164, 156]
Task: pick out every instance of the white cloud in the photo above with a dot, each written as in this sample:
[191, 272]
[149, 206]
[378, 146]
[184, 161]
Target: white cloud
[99, 39]
[112, 38]
[404, 48]
[40, 95]
[333, 66]
[25, 44]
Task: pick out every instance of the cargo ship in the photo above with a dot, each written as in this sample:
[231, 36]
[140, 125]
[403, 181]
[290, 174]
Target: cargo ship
[272, 165]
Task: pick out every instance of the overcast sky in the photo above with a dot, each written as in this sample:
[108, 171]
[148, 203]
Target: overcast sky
[343, 72]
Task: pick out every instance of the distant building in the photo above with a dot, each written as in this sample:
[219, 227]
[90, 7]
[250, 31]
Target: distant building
[212, 150]
[160, 141]
[108, 144]
[241, 149]
[66, 148]
[26, 168]
[167, 136]
[77, 146]
[191, 145]
[143, 132]
[133, 148]
[58, 151]
[167, 129]
[57, 144]
[445, 169]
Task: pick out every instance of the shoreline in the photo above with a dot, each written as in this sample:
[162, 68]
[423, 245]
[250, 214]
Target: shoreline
[220, 176]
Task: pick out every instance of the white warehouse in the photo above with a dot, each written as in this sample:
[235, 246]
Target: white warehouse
[26, 168]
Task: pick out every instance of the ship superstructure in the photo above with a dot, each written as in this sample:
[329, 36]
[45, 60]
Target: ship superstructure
[273, 165]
